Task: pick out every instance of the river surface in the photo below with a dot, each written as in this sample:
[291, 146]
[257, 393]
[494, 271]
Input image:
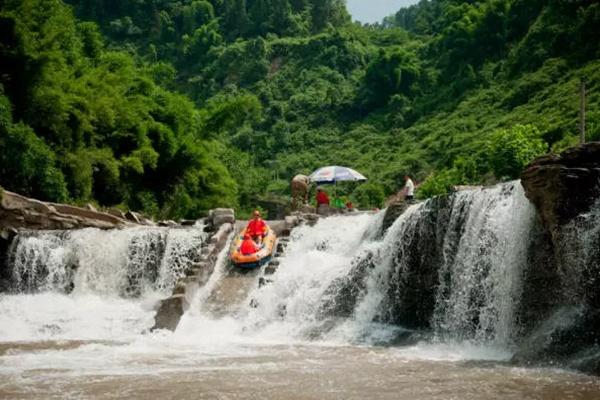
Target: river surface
[161, 366]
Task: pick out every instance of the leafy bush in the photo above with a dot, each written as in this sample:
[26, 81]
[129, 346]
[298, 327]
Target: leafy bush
[509, 151]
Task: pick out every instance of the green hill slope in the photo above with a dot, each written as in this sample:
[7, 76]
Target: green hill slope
[452, 92]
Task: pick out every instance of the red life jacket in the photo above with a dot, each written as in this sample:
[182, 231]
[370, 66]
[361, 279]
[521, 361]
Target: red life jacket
[256, 227]
[248, 247]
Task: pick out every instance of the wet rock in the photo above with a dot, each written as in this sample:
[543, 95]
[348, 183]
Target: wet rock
[413, 280]
[189, 222]
[393, 211]
[147, 222]
[115, 212]
[569, 337]
[170, 312]
[281, 247]
[133, 217]
[291, 221]
[168, 223]
[564, 186]
[220, 216]
[6, 237]
[263, 281]
[221, 235]
[179, 288]
[91, 207]
[274, 263]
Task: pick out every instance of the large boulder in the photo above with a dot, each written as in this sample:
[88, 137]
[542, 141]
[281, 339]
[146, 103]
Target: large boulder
[220, 216]
[276, 208]
[564, 186]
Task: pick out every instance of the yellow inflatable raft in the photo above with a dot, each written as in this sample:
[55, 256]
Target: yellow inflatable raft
[257, 259]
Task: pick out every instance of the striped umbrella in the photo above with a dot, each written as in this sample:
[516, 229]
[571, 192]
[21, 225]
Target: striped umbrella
[334, 173]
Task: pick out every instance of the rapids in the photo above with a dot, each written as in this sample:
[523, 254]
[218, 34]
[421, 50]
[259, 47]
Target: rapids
[344, 315]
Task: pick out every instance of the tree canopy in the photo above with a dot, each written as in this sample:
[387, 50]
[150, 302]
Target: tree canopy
[174, 107]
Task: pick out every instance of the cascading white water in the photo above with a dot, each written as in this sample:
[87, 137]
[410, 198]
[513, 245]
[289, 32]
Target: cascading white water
[482, 252]
[371, 303]
[475, 298]
[109, 262]
[578, 245]
[315, 257]
[481, 283]
[93, 284]
[77, 326]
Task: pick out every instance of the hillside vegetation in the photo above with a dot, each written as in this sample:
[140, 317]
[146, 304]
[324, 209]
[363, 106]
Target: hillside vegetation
[173, 107]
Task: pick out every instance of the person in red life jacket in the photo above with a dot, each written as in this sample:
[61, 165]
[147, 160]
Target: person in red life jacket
[257, 228]
[248, 246]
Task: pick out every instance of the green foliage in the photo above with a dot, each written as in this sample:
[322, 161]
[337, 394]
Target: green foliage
[369, 195]
[99, 126]
[438, 184]
[27, 164]
[511, 150]
[173, 107]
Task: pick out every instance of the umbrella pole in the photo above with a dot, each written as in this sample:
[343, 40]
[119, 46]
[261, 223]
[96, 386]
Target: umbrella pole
[335, 189]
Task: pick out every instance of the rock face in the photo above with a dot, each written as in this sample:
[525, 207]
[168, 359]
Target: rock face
[17, 212]
[418, 251]
[564, 186]
[393, 211]
[561, 287]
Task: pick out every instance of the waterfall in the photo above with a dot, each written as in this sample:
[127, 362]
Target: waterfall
[92, 284]
[450, 269]
[453, 266]
[111, 262]
[578, 250]
[315, 258]
[481, 282]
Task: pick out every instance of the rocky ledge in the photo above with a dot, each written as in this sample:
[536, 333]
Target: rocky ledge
[564, 186]
[20, 212]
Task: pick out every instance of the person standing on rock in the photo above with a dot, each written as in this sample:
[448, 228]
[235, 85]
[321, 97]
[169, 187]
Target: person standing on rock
[257, 228]
[300, 184]
[409, 189]
[322, 202]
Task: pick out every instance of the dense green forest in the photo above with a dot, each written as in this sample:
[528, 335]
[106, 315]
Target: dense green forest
[173, 107]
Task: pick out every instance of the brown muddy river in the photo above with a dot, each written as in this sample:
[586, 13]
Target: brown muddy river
[155, 368]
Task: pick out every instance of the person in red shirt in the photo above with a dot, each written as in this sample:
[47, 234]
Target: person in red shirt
[322, 201]
[248, 246]
[257, 228]
[322, 197]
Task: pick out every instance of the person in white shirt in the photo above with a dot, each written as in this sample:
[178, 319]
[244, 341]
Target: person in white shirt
[409, 189]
